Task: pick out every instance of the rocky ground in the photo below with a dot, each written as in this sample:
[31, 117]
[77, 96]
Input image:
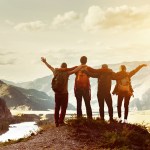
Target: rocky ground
[86, 134]
[52, 139]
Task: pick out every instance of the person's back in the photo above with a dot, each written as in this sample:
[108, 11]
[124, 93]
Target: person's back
[104, 80]
[104, 76]
[60, 88]
[82, 80]
[104, 86]
[123, 76]
[124, 89]
[60, 82]
[82, 89]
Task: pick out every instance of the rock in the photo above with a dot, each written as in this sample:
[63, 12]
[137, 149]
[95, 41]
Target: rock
[30, 117]
[4, 111]
[49, 116]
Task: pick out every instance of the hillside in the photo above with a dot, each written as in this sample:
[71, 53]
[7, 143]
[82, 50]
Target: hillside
[84, 134]
[30, 99]
[140, 84]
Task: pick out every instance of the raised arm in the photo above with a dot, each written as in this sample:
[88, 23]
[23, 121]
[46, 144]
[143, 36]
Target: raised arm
[133, 72]
[67, 69]
[48, 65]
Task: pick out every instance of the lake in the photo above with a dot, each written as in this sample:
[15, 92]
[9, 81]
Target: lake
[25, 129]
[20, 130]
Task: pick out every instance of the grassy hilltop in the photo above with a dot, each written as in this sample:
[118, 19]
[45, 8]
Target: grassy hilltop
[85, 134]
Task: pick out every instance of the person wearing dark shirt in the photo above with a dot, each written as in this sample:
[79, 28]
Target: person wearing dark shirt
[61, 98]
[104, 75]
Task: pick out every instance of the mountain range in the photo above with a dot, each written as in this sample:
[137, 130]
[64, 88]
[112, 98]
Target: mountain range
[26, 99]
[140, 82]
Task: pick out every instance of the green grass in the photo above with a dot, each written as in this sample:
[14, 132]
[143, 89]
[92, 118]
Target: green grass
[98, 134]
[44, 125]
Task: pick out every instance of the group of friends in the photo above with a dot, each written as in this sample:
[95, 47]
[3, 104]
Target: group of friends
[123, 89]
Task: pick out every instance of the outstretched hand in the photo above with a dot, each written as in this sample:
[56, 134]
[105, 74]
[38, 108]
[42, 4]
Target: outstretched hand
[144, 65]
[43, 59]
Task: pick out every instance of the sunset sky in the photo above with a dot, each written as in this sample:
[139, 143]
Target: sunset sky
[106, 31]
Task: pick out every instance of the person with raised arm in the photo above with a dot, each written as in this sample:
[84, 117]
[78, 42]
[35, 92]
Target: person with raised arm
[60, 88]
[124, 89]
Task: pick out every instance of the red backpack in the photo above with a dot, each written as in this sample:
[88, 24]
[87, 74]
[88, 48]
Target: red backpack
[82, 80]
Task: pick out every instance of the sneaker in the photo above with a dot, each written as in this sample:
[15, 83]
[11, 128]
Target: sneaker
[125, 121]
[120, 120]
[102, 119]
[90, 118]
[57, 124]
[111, 120]
[62, 124]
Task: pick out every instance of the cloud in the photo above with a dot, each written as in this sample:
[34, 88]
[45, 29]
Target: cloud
[5, 53]
[30, 26]
[7, 57]
[9, 22]
[81, 42]
[68, 17]
[8, 61]
[123, 17]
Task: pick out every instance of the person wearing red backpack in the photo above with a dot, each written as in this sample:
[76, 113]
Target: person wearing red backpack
[124, 89]
[82, 89]
[60, 87]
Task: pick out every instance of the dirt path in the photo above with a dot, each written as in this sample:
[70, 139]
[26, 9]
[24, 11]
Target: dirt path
[52, 139]
[85, 134]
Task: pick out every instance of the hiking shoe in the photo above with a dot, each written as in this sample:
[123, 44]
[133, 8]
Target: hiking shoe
[102, 120]
[57, 124]
[90, 118]
[125, 121]
[62, 124]
[111, 120]
[120, 120]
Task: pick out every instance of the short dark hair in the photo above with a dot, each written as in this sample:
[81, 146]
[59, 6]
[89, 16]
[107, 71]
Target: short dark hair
[104, 66]
[63, 65]
[83, 59]
[123, 68]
